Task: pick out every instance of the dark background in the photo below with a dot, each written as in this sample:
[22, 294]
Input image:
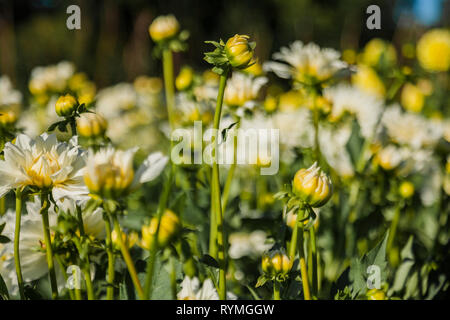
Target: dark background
[113, 44]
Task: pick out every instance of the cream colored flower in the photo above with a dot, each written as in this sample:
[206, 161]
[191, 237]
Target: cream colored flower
[191, 290]
[410, 129]
[306, 62]
[366, 107]
[110, 172]
[242, 90]
[248, 244]
[43, 163]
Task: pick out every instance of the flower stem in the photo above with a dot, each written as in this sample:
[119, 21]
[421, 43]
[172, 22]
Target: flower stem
[297, 243]
[48, 244]
[169, 84]
[303, 268]
[227, 186]
[393, 229]
[216, 191]
[127, 257]
[16, 243]
[2, 206]
[314, 258]
[276, 290]
[86, 269]
[154, 244]
[111, 261]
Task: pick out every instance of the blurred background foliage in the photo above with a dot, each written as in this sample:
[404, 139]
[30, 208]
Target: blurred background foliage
[113, 44]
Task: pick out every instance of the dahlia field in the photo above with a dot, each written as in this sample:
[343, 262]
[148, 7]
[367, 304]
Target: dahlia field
[315, 174]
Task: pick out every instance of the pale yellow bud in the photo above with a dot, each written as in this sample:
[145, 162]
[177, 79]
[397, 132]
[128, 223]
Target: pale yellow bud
[170, 226]
[66, 105]
[239, 51]
[184, 79]
[91, 125]
[276, 263]
[163, 28]
[312, 185]
[412, 98]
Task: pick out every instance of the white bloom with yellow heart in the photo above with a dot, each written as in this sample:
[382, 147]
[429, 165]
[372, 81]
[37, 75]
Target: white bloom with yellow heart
[43, 163]
[305, 62]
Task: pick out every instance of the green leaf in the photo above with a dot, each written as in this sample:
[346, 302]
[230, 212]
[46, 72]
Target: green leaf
[4, 239]
[209, 261]
[3, 290]
[358, 272]
[253, 293]
[261, 281]
[161, 280]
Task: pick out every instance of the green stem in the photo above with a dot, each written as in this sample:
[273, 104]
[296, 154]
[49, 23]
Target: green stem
[230, 174]
[169, 84]
[127, 257]
[86, 270]
[393, 229]
[48, 244]
[314, 258]
[111, 260]
[2, 206]
[216, 191]
[297, 244]
[154, 244]
[276, 290]
[303, 268]
[16, 243]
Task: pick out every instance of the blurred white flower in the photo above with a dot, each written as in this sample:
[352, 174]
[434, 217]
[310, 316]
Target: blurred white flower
[410, 129]
[51, 78]
[241, 92]
[333, 141]
[8, 95]
[365, 107]
[248, 244]
[305, 62]
[33, 257]
[191, 290]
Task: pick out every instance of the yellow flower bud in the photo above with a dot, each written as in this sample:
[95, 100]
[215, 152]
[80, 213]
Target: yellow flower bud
[375, 294]
[129, 240]
[170, 226]
[276, 263]
[433, 50]
[377, 49]
[270, 104]
[313, 186]
[388, 158]
[66, 105]
[7, 117]
[255, 69]
[412, 98]
[406, 189]
[367, 80]
[184, 78]
[239, 51]
[163, 28]
[91, 125]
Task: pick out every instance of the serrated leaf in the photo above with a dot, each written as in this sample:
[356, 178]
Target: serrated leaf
[261, 281]
[358, 270]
